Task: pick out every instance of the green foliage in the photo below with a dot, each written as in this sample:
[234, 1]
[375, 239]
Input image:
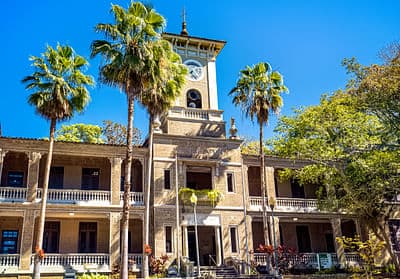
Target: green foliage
[115, 133]
[80, 133]
[212, 195]
[59, 83]
[92, 276]
[368, 250]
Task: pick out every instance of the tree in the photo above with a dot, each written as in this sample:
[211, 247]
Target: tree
[166, 81]
[126, 53]
[59, 90]
[115, 133]
[80, 133]
[340, 140]
[258, 93]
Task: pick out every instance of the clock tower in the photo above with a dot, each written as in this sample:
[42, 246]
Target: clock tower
[195, 112]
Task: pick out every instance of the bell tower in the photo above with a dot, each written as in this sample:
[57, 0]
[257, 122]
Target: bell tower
[195, 112]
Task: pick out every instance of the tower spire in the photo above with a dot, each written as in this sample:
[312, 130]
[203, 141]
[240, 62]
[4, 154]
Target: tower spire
[184, 32]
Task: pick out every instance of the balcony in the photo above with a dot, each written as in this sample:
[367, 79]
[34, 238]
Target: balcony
[180, 112]
[53, 263]
[286, 205]
[311, 260]
[68, 196]
[12, 194]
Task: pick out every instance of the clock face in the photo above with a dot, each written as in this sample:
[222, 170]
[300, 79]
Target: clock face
[195, 68]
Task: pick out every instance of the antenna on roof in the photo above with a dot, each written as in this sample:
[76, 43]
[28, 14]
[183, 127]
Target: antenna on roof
[184, 32]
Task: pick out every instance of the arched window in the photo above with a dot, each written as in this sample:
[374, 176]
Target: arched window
[193, 98]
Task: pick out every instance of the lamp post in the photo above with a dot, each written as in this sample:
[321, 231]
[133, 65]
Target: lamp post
[272, 203]
[193, 200]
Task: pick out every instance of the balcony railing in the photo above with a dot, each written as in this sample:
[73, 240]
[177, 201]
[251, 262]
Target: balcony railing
[76, 196]
[287, 204]
[179, 112]
[12, 194]
[79, 262]
[136, 198]
[9, 260]
[310, 260]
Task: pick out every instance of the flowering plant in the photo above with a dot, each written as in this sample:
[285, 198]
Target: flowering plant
[39, 252]
[147, 249]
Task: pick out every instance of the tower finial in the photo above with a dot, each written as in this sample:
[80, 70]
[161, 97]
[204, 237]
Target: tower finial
[184, 32]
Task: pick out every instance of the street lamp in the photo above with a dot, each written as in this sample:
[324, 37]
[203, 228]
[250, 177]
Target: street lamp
[272, 203]
[193, 200]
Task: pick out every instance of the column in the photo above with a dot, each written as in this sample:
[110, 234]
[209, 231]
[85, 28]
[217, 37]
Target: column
[218, 245]
[275, 224]
[337, 232]
[114, 249]
[115, 183]
[2, 156]
[185, 247]
[33, 175]
[270, 182]
[27, 239]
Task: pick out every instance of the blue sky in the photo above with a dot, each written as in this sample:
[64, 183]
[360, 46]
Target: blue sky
[304, 40]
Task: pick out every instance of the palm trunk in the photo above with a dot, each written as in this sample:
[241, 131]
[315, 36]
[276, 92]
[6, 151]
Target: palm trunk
[147, 214]
[39, 236]
[127, 190]
[263, 188]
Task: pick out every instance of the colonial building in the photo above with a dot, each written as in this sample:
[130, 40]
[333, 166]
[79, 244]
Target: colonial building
[191, 149]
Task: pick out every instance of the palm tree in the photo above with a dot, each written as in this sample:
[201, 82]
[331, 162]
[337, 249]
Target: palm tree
[59, 88]
[258, 92]
[166, 81]
[125, 57]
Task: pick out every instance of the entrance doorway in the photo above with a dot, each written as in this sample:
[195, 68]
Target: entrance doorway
[207, 245]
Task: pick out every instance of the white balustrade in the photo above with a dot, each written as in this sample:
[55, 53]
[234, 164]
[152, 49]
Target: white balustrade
[76, 196]
[286, 204]
[12, 194]
[136, 198]
[136, 258]
[74, 260]
[9, 260]
[179, 112]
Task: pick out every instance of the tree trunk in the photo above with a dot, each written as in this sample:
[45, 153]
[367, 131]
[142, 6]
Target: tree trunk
[263, 188]
[39, 236]
[147, 214]
[127, 190]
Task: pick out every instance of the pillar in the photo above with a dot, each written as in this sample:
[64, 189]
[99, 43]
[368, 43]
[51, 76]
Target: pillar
[218, 245]
[2, 156]
[270, 182]
[114, 249]
[185, 247]
[337, 232]
[115, 183]
[27, 239]
[275, 224]
[33, 175]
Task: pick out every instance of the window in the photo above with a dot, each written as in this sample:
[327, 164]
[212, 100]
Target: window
[193, 99]
[15, 178]
[9, 241]
[234, 242]
[168, 239]
[167, 179]
[87, 237]
[229, 182]
[303, 239]
[90, 179]
[56, 178]
[51, 237]
[297, 189]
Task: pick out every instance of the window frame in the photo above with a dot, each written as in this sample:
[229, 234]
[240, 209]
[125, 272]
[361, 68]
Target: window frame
[236, 235]
[167, 173]
[171, 250]
[232, 175]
